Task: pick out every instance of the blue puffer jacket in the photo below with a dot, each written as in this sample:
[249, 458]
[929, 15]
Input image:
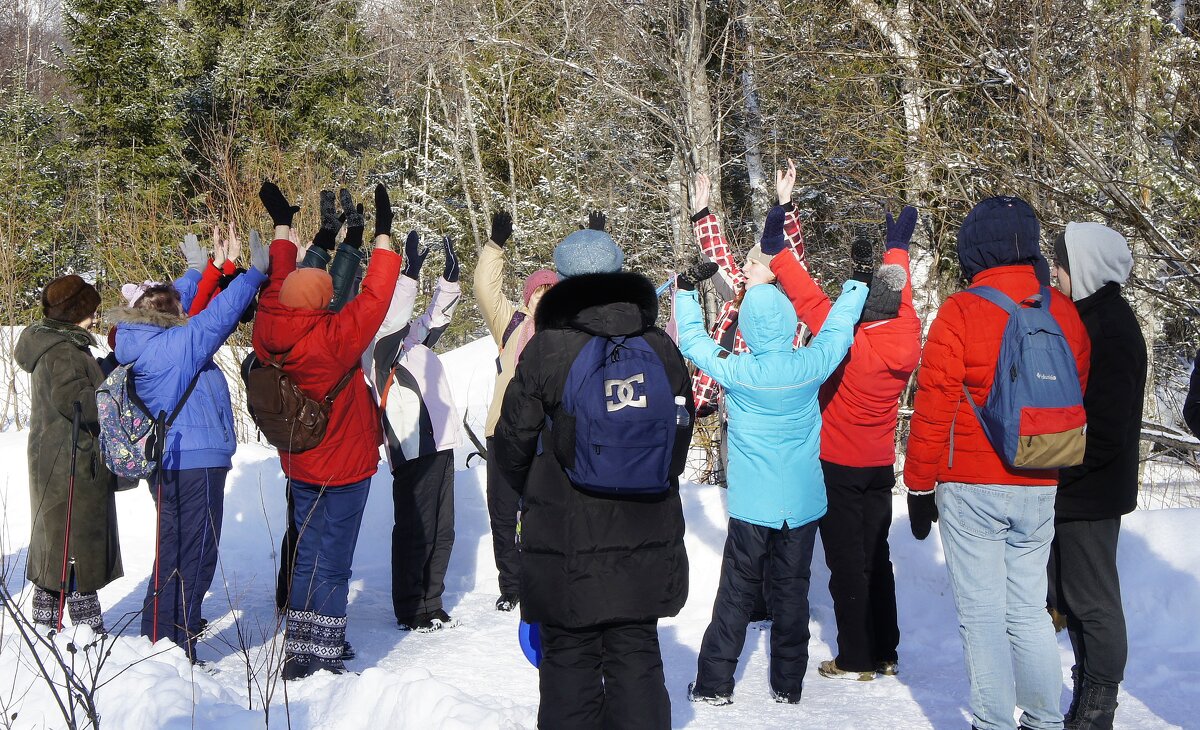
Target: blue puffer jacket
[166, 351]
[771, 396]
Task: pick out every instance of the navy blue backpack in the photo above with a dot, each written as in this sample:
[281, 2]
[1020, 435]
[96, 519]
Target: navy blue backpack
[615, 432]
[1034, 415]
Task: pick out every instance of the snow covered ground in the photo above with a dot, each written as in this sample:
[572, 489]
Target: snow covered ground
[475, 677]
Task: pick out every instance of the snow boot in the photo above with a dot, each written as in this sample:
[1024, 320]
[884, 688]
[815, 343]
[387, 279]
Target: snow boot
[506, 602]
[1096, 709]
[831, 670]
[84, 609]
[786, 698]
[888, 668]
[313, 643]
[716, 700]
[1076, 693]
[45, 609]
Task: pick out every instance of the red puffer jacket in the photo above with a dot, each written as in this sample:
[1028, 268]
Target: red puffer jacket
[963, 345]
[860, 401]
[324, 346]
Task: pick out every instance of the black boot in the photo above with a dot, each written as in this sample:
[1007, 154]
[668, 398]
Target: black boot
[1097, 707]
[1076, 682]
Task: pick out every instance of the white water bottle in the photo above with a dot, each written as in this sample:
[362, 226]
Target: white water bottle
[682, 419]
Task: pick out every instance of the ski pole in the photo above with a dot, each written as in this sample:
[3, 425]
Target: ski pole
[76, 417]
[160, 427]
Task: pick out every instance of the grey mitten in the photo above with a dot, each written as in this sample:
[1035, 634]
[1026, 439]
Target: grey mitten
[260, 254]
[197, 257]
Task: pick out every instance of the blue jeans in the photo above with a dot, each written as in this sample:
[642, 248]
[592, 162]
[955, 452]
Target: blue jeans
[327, 519]
[996, 539]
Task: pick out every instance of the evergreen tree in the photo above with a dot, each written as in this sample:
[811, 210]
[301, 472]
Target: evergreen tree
[123, 72]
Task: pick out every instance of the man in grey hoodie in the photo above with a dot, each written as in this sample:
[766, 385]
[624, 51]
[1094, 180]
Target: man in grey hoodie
[1092, 261]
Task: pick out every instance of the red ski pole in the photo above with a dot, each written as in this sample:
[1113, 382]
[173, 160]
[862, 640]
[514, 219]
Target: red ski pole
[76, 417]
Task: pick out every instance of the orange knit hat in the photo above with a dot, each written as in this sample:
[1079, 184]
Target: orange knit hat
[307, 289]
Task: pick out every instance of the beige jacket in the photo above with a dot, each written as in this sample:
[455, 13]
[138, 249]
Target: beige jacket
[497, 312]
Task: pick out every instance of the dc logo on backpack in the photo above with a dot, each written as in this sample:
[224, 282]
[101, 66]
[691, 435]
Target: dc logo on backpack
[1034, 414]
[615, 432]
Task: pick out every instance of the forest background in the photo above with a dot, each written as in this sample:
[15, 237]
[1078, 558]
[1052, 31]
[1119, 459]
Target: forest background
[126, 123]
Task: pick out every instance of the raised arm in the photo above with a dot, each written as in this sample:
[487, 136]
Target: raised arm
[837, 334]
[712, 241]
[497, 310]
[358, 322]
[430, 326]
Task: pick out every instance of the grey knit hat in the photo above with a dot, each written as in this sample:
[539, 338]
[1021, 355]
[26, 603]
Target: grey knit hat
[883, 300]
[587, 252]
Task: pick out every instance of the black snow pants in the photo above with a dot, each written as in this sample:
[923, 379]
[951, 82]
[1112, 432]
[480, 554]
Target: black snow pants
[752, 551]
[423, 535]
[503, 502]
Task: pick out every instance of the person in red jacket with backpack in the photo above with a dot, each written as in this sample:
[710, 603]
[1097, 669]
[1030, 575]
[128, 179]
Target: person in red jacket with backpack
[320, 350]
[859, 407]
[997, 521]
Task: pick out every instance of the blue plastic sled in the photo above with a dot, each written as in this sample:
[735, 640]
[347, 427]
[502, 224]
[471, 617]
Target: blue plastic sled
[531, 642]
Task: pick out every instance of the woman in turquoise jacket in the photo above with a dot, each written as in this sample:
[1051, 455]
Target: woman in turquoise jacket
[776, 488]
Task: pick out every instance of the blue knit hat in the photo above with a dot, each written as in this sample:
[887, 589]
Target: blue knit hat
[587, 252]
[1000, 231]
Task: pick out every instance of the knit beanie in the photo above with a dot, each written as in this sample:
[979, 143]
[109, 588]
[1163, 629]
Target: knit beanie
[1060, 252]
[308, 288]
[587, 252]
[756, 254]
[69, 299]
[133, 292]
[883, 299]
[541, 277]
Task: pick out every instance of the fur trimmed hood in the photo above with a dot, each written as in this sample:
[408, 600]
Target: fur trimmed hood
[152, 317]
[621, 303]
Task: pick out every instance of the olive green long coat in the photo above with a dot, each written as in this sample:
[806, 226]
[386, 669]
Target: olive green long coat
[62, 371]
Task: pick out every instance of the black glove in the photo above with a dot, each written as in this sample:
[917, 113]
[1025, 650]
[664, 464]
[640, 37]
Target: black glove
[450, 272]
[596, 220]
[501, 227]
[695, 274]
[862, 260]
[277, 205]
[355, 220]
[922, 513]
[773, 241]
[383, 211]
[331, 222]
[414, 256]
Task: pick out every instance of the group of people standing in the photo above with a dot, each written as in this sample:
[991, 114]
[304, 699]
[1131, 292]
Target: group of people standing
[811, 391]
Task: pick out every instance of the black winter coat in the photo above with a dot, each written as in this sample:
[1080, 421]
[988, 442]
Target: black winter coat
[587, 559]
[1191, 406]
[1105, 485]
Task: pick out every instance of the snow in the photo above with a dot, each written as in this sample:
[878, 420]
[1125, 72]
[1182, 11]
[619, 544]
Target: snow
[475, 677]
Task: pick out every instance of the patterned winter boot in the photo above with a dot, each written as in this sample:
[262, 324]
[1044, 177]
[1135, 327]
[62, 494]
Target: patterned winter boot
[84, 609]
[45, 609]
[328, 641]
[297, 645]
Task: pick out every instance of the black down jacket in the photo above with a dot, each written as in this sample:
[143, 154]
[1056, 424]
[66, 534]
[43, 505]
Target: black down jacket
[587, 559]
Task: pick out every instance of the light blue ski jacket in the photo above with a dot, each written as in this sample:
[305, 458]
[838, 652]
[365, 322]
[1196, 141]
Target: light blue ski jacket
[771, 399]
